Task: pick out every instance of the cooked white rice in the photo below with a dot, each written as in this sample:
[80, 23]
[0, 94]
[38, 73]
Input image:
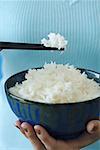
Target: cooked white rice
[56, 83]
[55, 40]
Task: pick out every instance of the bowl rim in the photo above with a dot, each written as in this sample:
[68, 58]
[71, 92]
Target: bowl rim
[26, 101]
[23, 100]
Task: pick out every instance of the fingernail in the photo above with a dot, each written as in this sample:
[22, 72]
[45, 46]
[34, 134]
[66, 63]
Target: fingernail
[38, 131]
[91, 128]
[25, 130]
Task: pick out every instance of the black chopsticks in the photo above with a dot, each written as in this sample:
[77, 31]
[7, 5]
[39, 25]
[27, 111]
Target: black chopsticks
[25, 46]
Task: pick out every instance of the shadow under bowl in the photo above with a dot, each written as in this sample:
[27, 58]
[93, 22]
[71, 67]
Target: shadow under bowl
[62, 121]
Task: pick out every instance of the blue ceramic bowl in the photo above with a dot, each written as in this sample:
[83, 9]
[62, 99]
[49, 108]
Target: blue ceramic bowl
[62, 121]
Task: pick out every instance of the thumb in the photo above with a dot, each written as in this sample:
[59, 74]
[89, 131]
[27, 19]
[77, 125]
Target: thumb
[45, 138]
[93, 126]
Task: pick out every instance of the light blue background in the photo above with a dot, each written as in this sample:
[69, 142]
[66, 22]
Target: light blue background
[31, 20]
[0, 66]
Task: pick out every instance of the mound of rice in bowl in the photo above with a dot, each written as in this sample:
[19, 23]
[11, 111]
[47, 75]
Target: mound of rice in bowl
[56, 83]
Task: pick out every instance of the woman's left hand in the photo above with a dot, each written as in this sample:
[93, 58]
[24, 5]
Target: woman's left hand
[41, 140]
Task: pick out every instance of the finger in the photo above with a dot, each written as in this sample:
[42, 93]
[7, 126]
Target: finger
[31, 135]
[45, 138]
[94, 127]
[18, 125]
[92, 134]
[84, 140]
